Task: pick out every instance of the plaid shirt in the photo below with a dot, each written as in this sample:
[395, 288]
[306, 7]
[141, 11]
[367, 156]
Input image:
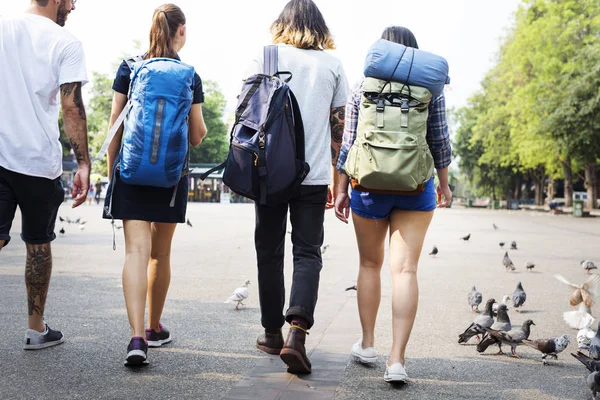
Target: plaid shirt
[438, 136]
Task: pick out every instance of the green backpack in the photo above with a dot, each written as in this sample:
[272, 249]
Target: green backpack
[390, 152]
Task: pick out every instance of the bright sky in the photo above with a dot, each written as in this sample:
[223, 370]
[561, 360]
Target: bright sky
[223, 35]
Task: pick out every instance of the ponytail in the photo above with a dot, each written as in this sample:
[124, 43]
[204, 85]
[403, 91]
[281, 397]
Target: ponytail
[166, 21]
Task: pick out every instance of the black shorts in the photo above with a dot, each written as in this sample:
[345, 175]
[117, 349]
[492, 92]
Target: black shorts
[145, 203]
[38, 199]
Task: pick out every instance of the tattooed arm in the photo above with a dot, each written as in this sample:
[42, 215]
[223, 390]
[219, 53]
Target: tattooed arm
[337, 132]
[336, 120]
[75, 122]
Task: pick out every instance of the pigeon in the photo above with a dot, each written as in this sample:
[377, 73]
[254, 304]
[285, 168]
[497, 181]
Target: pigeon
[595, 345]
[324, 249]
[507, 262]
[82, 222]
[518, 297]
[505, 301]
[579, 319]
[549, 347]
[62, 231]
[78, 220]
[474, 297]
[588, 266]
[502, 244]
[591, 365]
[593, 383]
[240, 294]
[189, 223]
[81, 228]
[512, 338]
[513, 245]
[586, 293]
[529, 265]
[434, 251]
[584, 338]
[503, 321]
[484, 320]
[502, 324]
[351, 288]
[289, 232]
[466, 238]
[61, 219]
[495, 227]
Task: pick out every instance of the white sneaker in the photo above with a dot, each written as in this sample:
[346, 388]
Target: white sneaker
[395, 373]
[365, 356]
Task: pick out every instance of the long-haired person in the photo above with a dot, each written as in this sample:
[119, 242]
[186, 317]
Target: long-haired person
[320, 86]
[150, 214]
[407, 218]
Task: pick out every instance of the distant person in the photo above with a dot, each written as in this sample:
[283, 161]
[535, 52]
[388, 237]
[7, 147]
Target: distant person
[39, 59]
[98, 191]
[405, 215]
[150, 214]
[320, 86]
[90, 195]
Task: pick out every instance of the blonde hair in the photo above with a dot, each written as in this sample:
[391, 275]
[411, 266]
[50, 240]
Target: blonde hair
[302, 25]
[165, 22]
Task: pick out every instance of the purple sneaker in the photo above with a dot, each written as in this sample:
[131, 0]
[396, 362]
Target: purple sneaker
[137, 352]
[157, 339]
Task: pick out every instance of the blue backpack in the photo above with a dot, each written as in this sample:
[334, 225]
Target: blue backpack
[155, 138]
[266, 153]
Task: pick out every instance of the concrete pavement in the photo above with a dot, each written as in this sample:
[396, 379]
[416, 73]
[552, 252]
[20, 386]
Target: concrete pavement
[213, 355]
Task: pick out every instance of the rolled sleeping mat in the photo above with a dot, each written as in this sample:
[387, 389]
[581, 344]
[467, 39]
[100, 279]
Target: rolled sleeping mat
[428, 70]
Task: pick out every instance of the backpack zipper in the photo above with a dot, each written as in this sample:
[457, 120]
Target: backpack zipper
[255, 155]
[157, 129]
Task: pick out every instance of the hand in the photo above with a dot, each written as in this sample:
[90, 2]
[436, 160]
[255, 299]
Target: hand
[81, 185]
[342, 207]
[330, 199]
[444, 196]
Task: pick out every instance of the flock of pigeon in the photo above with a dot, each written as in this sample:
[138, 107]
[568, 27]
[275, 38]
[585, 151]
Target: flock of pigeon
[493, 325]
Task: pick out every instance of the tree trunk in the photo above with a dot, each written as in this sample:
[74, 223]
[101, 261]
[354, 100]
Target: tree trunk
[539, 189]
[517, 192]
[591, 181]
[551, 189]
[568, 173]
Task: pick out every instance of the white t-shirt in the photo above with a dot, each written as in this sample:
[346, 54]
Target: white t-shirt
[36, 57]
[319, 84]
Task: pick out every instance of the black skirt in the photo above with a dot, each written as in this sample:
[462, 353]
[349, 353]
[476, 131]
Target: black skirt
[145, 203]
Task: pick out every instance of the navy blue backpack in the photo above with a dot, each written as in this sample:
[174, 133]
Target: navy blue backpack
[266, 153]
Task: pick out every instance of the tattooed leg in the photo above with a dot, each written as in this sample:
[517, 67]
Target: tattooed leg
[37, 278]
[2, 242]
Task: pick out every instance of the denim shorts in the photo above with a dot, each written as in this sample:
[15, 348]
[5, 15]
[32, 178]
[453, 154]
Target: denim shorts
[380, 206]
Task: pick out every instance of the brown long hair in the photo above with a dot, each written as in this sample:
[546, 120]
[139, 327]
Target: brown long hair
[165, 22]
[302, 25]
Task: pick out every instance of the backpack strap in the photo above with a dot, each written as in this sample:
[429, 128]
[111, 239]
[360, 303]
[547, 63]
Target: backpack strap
[270, 60]
[298, 127]
[132, 60]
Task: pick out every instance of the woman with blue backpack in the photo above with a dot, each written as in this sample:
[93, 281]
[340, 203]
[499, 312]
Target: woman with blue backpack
[395, 134]
[159, 101]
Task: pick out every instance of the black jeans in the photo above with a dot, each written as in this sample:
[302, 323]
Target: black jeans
[307, 211]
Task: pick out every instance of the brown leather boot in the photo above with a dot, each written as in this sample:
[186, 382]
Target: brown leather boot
[294, 352]
[270, 342]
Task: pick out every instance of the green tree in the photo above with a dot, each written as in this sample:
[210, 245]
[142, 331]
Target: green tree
[214, 147]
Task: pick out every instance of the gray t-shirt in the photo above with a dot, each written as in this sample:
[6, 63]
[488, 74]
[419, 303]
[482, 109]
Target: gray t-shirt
[319, 84]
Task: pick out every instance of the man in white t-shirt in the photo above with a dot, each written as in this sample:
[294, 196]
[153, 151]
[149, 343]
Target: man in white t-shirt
[39, 58]
[320, 86]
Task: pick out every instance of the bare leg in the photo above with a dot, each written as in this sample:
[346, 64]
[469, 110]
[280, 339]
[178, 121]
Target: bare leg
[159, 271]
[38, 269]
[2, 243]
[407, 232]
[135, 272]
[370, 236]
